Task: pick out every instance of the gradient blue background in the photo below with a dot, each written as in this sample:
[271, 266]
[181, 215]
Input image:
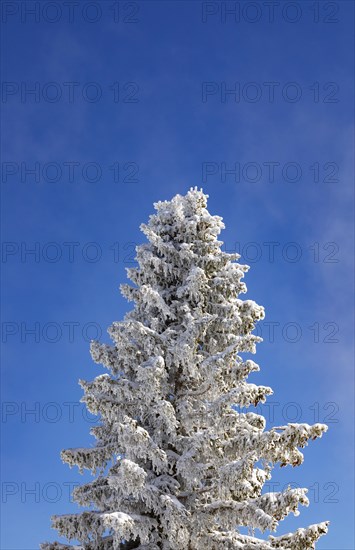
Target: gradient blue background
[169, 133]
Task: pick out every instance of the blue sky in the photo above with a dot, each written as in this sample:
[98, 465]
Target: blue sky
[133, 105]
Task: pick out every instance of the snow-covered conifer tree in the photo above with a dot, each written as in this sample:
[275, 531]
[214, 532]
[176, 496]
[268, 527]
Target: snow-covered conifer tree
[178, 466]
